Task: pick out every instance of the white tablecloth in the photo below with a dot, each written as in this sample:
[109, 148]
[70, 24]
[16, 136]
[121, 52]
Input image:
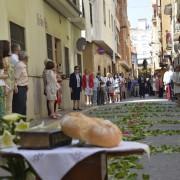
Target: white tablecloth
[54, 164]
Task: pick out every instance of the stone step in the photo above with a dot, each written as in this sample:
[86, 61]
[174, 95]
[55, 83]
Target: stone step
[173, 140]
[160, 167]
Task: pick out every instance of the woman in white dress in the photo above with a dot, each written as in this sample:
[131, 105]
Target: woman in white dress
[51, 87]
[176, 81]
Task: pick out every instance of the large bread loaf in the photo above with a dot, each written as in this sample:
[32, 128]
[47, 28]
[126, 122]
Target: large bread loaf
[94, 131]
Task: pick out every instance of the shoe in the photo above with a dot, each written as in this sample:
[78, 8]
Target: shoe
[74, 109]
[58, 115]
[79, 109]
[53, 117]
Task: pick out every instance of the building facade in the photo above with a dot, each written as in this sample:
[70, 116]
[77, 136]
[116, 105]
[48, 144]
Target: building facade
[156, 37]
[141, 41]
[101, 24]
[124, 45]
[45, 29]
[166, 21]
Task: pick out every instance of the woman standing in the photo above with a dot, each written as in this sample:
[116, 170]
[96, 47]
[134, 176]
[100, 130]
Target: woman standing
[51, 87]
[21, 85]
[95, 89]
[87, 85]
[4, 52]
[75, 86]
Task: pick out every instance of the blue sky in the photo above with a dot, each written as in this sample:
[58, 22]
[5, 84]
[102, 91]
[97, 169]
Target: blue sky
[138, 9]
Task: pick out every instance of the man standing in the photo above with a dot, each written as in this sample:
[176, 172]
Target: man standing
[75, 84]
[21, 85]
[15, 48]
[168, 82]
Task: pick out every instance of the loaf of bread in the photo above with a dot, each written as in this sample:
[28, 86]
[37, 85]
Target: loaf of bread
[95, 131]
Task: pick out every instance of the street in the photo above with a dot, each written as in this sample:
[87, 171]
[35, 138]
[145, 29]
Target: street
[155, 122]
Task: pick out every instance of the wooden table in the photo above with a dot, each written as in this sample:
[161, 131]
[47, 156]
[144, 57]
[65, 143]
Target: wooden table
[93, 167]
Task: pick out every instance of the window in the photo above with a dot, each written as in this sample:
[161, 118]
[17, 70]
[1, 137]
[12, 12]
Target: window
[104, 72]
[49, 46]
[104, 11]
[79, 61]
[17, 35]
[109, 69]
[83, 12]
[99, 68]
[66, 59]
[91, 19]
[74, 1]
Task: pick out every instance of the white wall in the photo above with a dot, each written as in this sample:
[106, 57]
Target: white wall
[141, 39]
[100, 31]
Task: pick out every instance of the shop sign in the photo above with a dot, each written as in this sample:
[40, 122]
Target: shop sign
[101, 50]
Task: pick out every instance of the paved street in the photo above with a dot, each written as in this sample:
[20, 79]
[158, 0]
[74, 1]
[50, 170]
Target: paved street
[155, 122]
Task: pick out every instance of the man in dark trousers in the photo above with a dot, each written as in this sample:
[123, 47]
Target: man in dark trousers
[75, 84]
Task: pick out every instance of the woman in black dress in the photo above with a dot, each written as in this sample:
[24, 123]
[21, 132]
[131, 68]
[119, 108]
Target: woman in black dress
[75, 84]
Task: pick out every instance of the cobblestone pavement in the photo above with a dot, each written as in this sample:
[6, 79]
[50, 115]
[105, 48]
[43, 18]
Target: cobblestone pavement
[155, 122]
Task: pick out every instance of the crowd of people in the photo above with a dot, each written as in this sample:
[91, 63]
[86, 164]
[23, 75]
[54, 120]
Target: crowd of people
[113, 88]
[13, 79]
[98, 89]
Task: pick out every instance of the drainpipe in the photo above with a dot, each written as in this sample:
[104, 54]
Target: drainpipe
[162, 53]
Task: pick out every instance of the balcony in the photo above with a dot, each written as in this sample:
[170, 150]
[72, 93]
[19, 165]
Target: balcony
[69, 10]
[125, 65]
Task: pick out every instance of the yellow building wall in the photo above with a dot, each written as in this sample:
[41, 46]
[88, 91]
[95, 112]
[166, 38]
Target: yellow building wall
[102, 60]
[166, 23]
[38, 18]
[4, 34]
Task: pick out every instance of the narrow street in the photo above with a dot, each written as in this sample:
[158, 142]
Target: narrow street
[155, 122]
[118, 60]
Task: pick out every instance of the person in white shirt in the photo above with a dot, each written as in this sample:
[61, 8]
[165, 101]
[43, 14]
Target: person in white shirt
[167, 80]
[21, 85]
[15, 48]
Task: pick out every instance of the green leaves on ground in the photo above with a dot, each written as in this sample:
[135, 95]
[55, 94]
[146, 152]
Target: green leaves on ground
[135, 120]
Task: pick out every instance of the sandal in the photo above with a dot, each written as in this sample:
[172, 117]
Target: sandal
[53, 117]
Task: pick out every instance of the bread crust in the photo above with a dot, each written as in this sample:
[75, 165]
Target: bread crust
[95, 131]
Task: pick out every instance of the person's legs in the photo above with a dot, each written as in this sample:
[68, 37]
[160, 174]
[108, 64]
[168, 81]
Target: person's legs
[86, 99]
[51, 107]
[90, 100]
[74, 104]
[19, 100]
[9, 99]
[78, 104]
[94, 97]
[2, 103]
[47, 105]
[178, 99]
